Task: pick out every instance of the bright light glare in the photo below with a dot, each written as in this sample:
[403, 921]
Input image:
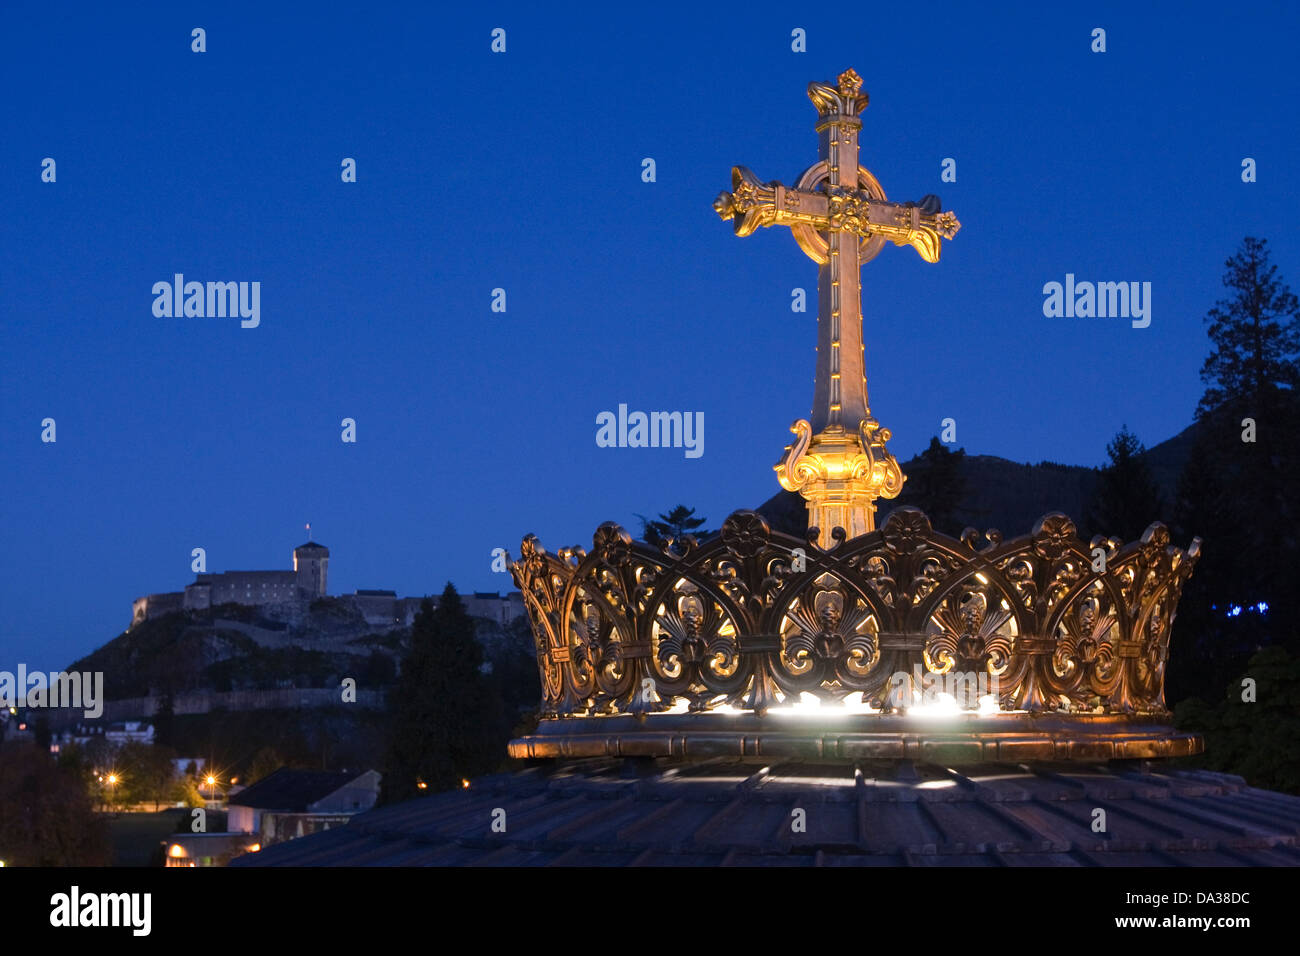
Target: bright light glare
[944, 705]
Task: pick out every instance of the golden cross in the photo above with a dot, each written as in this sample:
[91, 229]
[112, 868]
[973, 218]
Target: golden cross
[841, 219]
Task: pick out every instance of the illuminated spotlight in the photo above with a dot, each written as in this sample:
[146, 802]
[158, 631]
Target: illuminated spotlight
[464, 784]
[112, 779]
[255, 848]
[421, 785]
[211, 780]
[176, 851]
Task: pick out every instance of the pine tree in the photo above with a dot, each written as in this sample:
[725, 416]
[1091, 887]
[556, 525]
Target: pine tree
[446, 718]
[1255, 333]
[676, 524]
[1126, 499]
[164, 722]
[1240, 496]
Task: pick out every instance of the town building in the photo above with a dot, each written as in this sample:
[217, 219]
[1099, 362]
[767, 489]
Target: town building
[288, 804]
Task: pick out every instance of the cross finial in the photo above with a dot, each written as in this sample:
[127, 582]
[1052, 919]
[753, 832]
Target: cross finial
[849, 82]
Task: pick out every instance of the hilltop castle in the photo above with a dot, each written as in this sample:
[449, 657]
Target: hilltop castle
[307, 582]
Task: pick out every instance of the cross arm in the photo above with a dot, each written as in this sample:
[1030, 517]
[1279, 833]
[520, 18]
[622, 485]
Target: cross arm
[753, 204]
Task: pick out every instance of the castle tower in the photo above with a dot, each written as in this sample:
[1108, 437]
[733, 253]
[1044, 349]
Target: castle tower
[311, 562]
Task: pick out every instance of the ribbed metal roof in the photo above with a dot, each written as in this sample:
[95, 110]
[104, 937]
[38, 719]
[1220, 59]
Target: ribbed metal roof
[740, 812]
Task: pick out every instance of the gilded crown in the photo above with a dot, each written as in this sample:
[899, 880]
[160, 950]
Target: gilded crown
[1043, 646]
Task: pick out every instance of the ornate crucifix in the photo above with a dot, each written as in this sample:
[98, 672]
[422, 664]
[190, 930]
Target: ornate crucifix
[841, 219]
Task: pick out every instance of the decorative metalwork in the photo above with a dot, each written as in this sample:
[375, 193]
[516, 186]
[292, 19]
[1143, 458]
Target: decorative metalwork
[1035, 647]
[841, 219]
[752, 619]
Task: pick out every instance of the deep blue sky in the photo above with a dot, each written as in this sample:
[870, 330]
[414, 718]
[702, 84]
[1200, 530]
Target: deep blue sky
[522, 171]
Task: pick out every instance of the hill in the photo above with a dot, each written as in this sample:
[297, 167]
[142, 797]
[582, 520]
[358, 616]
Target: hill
[1011, 496]
[231, 647]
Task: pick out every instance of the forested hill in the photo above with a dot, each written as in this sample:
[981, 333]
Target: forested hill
[1011, 496]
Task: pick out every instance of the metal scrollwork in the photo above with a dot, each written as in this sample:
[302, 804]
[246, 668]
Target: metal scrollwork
[752, 618]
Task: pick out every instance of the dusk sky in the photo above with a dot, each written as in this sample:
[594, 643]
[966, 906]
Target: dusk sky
[523, 171]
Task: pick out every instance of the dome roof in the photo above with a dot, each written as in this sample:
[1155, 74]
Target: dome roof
[741, 812]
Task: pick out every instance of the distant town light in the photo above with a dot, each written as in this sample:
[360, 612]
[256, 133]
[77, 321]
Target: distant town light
[112, 779]
[1235, 610]
[464, 784]
[421, 785]
[211, 780]
[176, 850]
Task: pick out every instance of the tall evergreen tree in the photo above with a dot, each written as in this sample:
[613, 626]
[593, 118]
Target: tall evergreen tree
[1239, 489]
[1126, 499]
[446, 721]
[1255, 333]
[164, 722]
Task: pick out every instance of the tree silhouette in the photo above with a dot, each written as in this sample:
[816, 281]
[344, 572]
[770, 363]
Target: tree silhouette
[164, 722]
[1256, 335]
[1126, 499]
[676, 524]
[446, 717]
[1240, 495]
[47, 817]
